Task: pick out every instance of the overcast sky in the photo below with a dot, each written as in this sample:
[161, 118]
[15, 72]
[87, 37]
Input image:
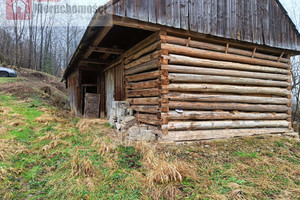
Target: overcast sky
[293, 9]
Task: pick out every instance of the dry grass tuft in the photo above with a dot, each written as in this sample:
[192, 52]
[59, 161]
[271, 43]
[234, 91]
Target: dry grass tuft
[53, 136]
[3, 130]
[3, 172]
[16, 123]
[45, 119]
[54, 144]
[104, 146]
[236, 193]
[163, 171]
[5, 110]
[169, 192]
[85, 125]
[11, 147]
[82, 167]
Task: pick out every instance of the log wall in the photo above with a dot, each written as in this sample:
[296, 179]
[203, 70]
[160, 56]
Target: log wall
[142, 73]
[224, 91]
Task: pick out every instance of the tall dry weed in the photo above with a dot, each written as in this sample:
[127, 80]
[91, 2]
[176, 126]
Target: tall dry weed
[82, 166]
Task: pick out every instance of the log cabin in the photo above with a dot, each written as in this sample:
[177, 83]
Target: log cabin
[191, 69]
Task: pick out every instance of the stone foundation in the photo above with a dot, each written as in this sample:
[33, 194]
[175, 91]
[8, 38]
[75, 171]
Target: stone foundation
[125, 123]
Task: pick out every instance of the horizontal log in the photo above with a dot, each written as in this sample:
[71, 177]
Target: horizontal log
[143, 44]
[188, 51]
[94, 61]
[144, 101]
[178, 136]
[146, 121]
[143, 76]
[222, 115]
[140, 53]
[226, 89]
[153, 64]
[192, 78]
[228, 106]
[147, 116]
[107, 50]
[206, 125]
[223, 72]
[143, 93]
[185, 60]
[143, 85]
[145, 109]
[144, 59]
[226, 98]
[214, 47]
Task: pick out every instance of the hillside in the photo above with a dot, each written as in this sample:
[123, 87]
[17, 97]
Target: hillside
[47, 153]
[33, 84]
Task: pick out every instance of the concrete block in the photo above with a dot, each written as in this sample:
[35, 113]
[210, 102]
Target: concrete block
[147, 135]
[134, 132]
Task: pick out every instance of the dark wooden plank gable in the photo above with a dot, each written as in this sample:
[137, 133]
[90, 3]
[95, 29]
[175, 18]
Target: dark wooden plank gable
[170, 12]
[220, 18]
[214, 17]
[192, 16]
[161, 14]
[152, 11]
[199, 15]
[176, 13]
[227, 16]
[207, 18]
[142, 10]
[233, 21]
[258, 21]
[184, 14]
[130, 9]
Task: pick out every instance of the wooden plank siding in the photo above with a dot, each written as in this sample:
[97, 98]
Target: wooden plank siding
[262, 22]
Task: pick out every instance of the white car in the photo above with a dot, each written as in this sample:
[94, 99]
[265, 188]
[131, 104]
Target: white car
[5, 72]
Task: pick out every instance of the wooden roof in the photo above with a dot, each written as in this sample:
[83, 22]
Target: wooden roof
[263, 22]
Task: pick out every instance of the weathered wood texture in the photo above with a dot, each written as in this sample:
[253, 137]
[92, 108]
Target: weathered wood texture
[142, 72]
[92, 105]
[222, 88]
[74, 92]
[250, 21]
[175, 136]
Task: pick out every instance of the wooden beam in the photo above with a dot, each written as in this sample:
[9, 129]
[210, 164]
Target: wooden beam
[98, 39]
[175, 136]
[206, 125]
[96, 62]
[185, 60]
[227, 89]
[253, 53]
[226, 98]
[280, 57]
[196, 78]
[227, 47]
[199, 53]
[227, 106]
[225, 115]
[223, 72]
[107, 50]
[206, 45]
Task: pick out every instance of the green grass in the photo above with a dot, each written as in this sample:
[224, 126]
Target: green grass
[231, 169]
[9, 80]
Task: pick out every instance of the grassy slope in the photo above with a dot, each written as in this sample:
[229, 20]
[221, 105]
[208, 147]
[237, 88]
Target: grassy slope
[46, 153]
